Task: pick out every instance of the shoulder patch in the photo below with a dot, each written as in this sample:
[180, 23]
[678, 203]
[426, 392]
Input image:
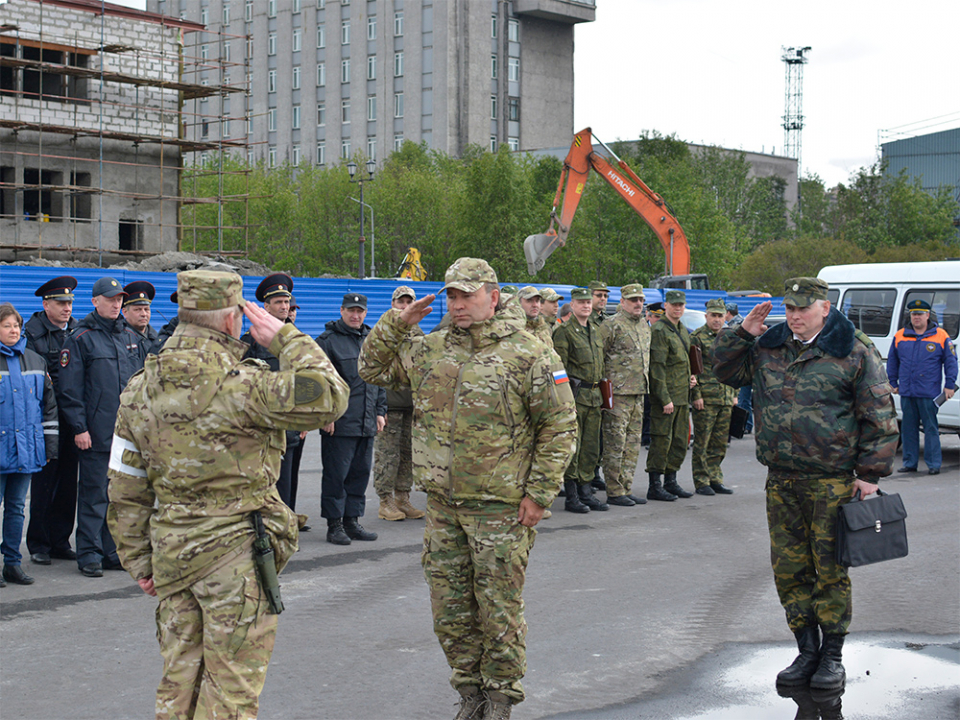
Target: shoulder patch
[305, 390]
[862, 337]
[64, 358]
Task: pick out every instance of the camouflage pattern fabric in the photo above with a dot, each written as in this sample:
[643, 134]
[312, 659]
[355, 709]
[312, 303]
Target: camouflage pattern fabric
[669, 364]
[626, 353]
[708, 387]
[587, 455]
[669, 437]
[621, 442]
[802, 517]
[475, 562]
[392, 455]
[541, 329]
[711, 432]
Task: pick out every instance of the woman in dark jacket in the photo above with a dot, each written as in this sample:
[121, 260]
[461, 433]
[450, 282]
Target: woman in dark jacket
[28, 433]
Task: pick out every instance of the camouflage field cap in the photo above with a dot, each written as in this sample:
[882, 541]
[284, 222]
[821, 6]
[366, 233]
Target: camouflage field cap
[469, 275]
[598, 285]
[804, 291]
[717, 306]
[675, 297]
[633, 290]
[509, 289]
[404, 291]
[209, 290]
[581, 294]
[530, 292]
[918, 306]
[550, 295]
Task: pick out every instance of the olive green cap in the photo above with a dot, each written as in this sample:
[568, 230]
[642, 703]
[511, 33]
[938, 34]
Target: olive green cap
[717, 306]
[209, 290]
[469, 275]
[581, 294]
[632, 290]
[550, 295]
[598, 285]
[530, 292]
[675, 297]
[404, 291]
[804, 291]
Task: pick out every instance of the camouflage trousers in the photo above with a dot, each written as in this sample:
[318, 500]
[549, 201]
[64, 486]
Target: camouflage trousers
[584, 463]
[622, 427]
[669, 435]
[475, 562]
[802, 516]
[216, 638]
[392, 455]
[711, 432]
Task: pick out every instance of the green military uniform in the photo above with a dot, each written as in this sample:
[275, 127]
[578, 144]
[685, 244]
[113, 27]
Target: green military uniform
[597, 316]
[196, 450]
[494, 423]
[711, 425]
[626, 360]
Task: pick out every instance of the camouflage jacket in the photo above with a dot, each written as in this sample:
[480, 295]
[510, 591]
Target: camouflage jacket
[626, 353]
[493, 418]
[669, 364]
[708, 388]
[820, 411]
[200, 433]
[540, 328]
[581, 352]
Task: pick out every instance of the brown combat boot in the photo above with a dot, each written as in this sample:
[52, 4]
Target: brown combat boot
[499, 706]
[404, 506]
[389, 509]
[472, 702]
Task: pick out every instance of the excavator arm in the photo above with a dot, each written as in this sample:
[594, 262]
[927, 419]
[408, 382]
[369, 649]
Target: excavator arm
[646, 203]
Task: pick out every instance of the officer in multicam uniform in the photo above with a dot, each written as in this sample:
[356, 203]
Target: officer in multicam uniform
[626, 360]
[670, 384]
[580, 348]
[494, 427]
[826, 428]
[392, 459]
[551, 307]
[196, 452]
[531, 301]
[712, 407]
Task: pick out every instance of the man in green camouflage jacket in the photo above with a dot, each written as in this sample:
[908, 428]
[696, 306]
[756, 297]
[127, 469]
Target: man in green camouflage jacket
[494, 427]
[826, 428]
[626, 360]
[531, 300]
[712, 407]
[196, 450]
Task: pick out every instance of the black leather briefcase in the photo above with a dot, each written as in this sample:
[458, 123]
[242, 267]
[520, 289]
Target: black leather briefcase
[738, 421]
[871, 531]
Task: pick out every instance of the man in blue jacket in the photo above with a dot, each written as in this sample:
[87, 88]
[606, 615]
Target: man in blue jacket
[920, 357]
[346, 447]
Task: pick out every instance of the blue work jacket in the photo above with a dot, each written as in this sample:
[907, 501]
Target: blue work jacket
[921, 365]
[28, 410]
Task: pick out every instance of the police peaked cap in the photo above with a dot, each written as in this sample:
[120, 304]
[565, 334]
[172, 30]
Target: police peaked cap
[278, 284]
[139, 292]
[60, 288]
[918, 306]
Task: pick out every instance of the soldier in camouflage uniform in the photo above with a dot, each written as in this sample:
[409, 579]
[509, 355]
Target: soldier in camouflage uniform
[670, 385]
[826, 428]
[392, 459]
[196, 450]
[626, 359]
[712, 407]
[580, 348]
[531, 301]
[551, 307]
[599, 295]
[494, 427]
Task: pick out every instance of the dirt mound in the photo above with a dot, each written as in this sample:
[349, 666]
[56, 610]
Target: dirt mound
[165, 262]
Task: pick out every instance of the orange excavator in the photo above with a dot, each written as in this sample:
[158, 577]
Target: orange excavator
[644, 201]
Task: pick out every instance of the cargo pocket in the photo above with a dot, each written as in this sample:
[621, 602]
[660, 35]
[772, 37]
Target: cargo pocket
[247, 609]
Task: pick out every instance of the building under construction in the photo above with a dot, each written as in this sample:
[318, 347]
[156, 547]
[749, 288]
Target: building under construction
[94, 146]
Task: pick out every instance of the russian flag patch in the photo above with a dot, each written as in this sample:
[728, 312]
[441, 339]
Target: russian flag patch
[560, 376]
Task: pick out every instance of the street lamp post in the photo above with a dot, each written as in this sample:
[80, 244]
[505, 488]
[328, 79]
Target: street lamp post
[373, 238]
[352, 170]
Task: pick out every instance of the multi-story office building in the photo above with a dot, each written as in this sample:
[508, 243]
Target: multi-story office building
[333, 78]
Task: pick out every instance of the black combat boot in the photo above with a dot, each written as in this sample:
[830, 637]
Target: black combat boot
[656, 492]
[355, 531]
[830, 675]
[671, 485]
[807, 662]
[637, 500]
[335, 533]
[721, 489]
[587, 498]
[571, 503]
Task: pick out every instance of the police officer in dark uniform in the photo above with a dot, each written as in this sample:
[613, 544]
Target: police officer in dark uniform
[136, 311]
[275, 291]
[167, 330]
[96, 362]
[53, 490]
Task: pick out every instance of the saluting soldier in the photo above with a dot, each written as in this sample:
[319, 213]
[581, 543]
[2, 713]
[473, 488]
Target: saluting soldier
[626, 360]
[136, 311]
[531, 300]
[53, 490]
[712, 407]
[670, 384]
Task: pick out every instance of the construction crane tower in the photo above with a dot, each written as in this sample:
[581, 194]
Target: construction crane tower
[794, 58]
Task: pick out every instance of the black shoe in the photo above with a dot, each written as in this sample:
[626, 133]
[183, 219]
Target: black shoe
[306, 528]
[671, 485]
[111, 565]
[806, 663]
[586, 497]
[67, 554]
[571, 501]
[15, 574]
[620, 500]
[721, 489]
[831, 674]
[93, 569]
[3, 583]
[704, 490]
[598, 484]
[41, 559]
[906, 469]
[355, 530]
[637, 500]
[656, 491]
[933, 471]
[335, 532]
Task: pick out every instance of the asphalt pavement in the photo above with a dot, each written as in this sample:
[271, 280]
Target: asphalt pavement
[664, 611]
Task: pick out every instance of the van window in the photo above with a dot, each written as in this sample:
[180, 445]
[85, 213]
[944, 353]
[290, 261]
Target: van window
[870, 310]
[833, 295]
[945, 305]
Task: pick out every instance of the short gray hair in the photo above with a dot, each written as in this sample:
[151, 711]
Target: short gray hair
[210, 319]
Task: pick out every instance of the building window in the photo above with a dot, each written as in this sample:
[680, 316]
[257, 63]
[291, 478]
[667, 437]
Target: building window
[372, 108]
[398, 105]
[226, 51]
[372, 27]
[371, 67]
[513, 109]
[344, 111]
[249, 125]
[493, 26]
[130, 232]
[295, 155]
[513, 31]
[345, 71]
[398, 64]
[345, 149]
[249, 157]
[493, 66]
[321, 4]
[345, 32]
[272, 157]
[271, 10]
[514, 143]
[296, 78]
[80, 202]
[271, 81]
[272, 44]
[493, 143]
[398, 23]
[250, 47]
[371, 148]
[204, 16]
[225, 128]
[296, 41]
[513, 69]
[296, 6]
[295, 121]
[321, 36]
[204, 51]
[321, 74]
[397, 142]
[272, 120]
[493, 107]
[321, 153]
[248, 11]
[226, 14]
[321, 114]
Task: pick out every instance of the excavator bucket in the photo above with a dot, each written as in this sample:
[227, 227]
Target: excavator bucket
[537, 248]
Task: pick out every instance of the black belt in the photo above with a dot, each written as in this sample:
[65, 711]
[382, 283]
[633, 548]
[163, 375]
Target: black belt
[589, 385]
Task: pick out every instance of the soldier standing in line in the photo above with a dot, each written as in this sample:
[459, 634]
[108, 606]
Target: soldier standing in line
[392, 454]
[580, 348]
[826, 429]
[494, 430]
[626, 359]
[193, 469]
[654, 313]
[53, 490]
[670, 385]
[532, 301]
[712, 407]
[551, 307]
[136, 311]
[599, 295]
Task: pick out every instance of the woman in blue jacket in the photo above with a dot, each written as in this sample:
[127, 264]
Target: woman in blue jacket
[28, 433]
